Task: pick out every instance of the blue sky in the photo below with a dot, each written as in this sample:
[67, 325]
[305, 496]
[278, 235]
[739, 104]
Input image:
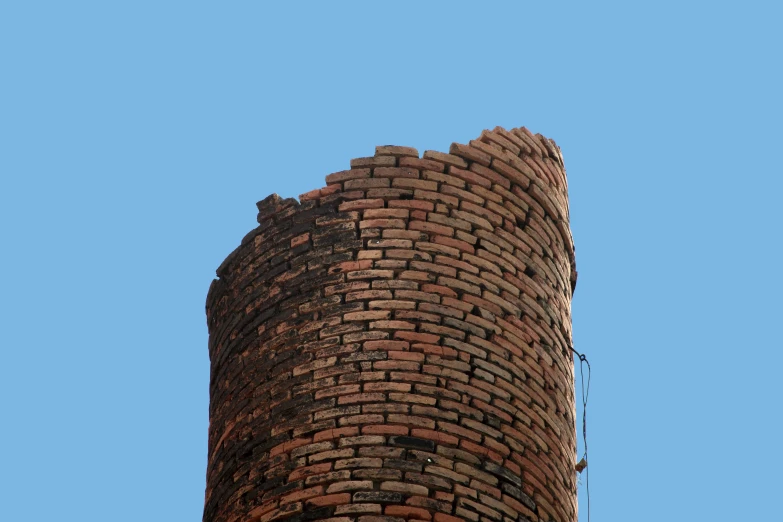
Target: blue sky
[136, 137]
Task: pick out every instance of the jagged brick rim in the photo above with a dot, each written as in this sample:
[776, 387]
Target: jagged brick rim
[498, 155]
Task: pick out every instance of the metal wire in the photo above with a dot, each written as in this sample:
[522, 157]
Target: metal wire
[585, 393]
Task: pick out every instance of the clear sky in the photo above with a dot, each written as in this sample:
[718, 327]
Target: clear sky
[136, 137]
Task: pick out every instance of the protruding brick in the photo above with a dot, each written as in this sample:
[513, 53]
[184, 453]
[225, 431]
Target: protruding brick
[374, 161]
[395, 150]
[447, 159]
[345, 175]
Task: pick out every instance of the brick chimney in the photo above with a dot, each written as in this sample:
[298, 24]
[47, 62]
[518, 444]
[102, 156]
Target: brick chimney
[396, 346]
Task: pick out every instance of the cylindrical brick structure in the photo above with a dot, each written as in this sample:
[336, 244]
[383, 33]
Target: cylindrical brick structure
[396, 345]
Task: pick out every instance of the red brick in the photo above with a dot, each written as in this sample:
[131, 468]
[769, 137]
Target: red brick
[359, 462]
[306, 471]
[359, 204]
[416, 295]
[447, 159]
[442, 517]
[307, 196]
[461, 432]
[391, 193]
[436, 197]
[405, 356]
[396, 365]
[362, 440]
[302, 494]
[345, 175]
[440, 438]
[370, 274]
[421, 163]
[395, 150]
[336, 390]
[361, 397]
[360, 419]
[408, 512]
[399, 245]
[381, 223]
[499, 140]
[426, 226]
[314, 365]
[412, 420]
[391, 304]
[463, 195]
[417, 337]
[386, 345]
[300, 240]
[386, 213]
[418, 214]
[289, 445]
[335, 433]
[414, 184]
[439, 289]
[374, 161]
[384, 429]
[393, 325]
[471, 153]
[372, 315]
[471, 177]
[454, 243]
[367, 294]
[412, 398]
[416, 316]
[365, 184]
[329, 500]
[443, 179]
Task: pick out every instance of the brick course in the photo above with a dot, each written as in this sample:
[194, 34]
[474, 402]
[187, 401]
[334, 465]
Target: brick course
[396, 345]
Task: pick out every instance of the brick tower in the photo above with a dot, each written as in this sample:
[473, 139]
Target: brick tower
[396, 346]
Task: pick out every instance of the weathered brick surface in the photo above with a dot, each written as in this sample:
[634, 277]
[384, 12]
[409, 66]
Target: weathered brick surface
[395, 346]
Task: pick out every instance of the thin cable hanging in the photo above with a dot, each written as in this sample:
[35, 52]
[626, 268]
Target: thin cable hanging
[585, 393]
